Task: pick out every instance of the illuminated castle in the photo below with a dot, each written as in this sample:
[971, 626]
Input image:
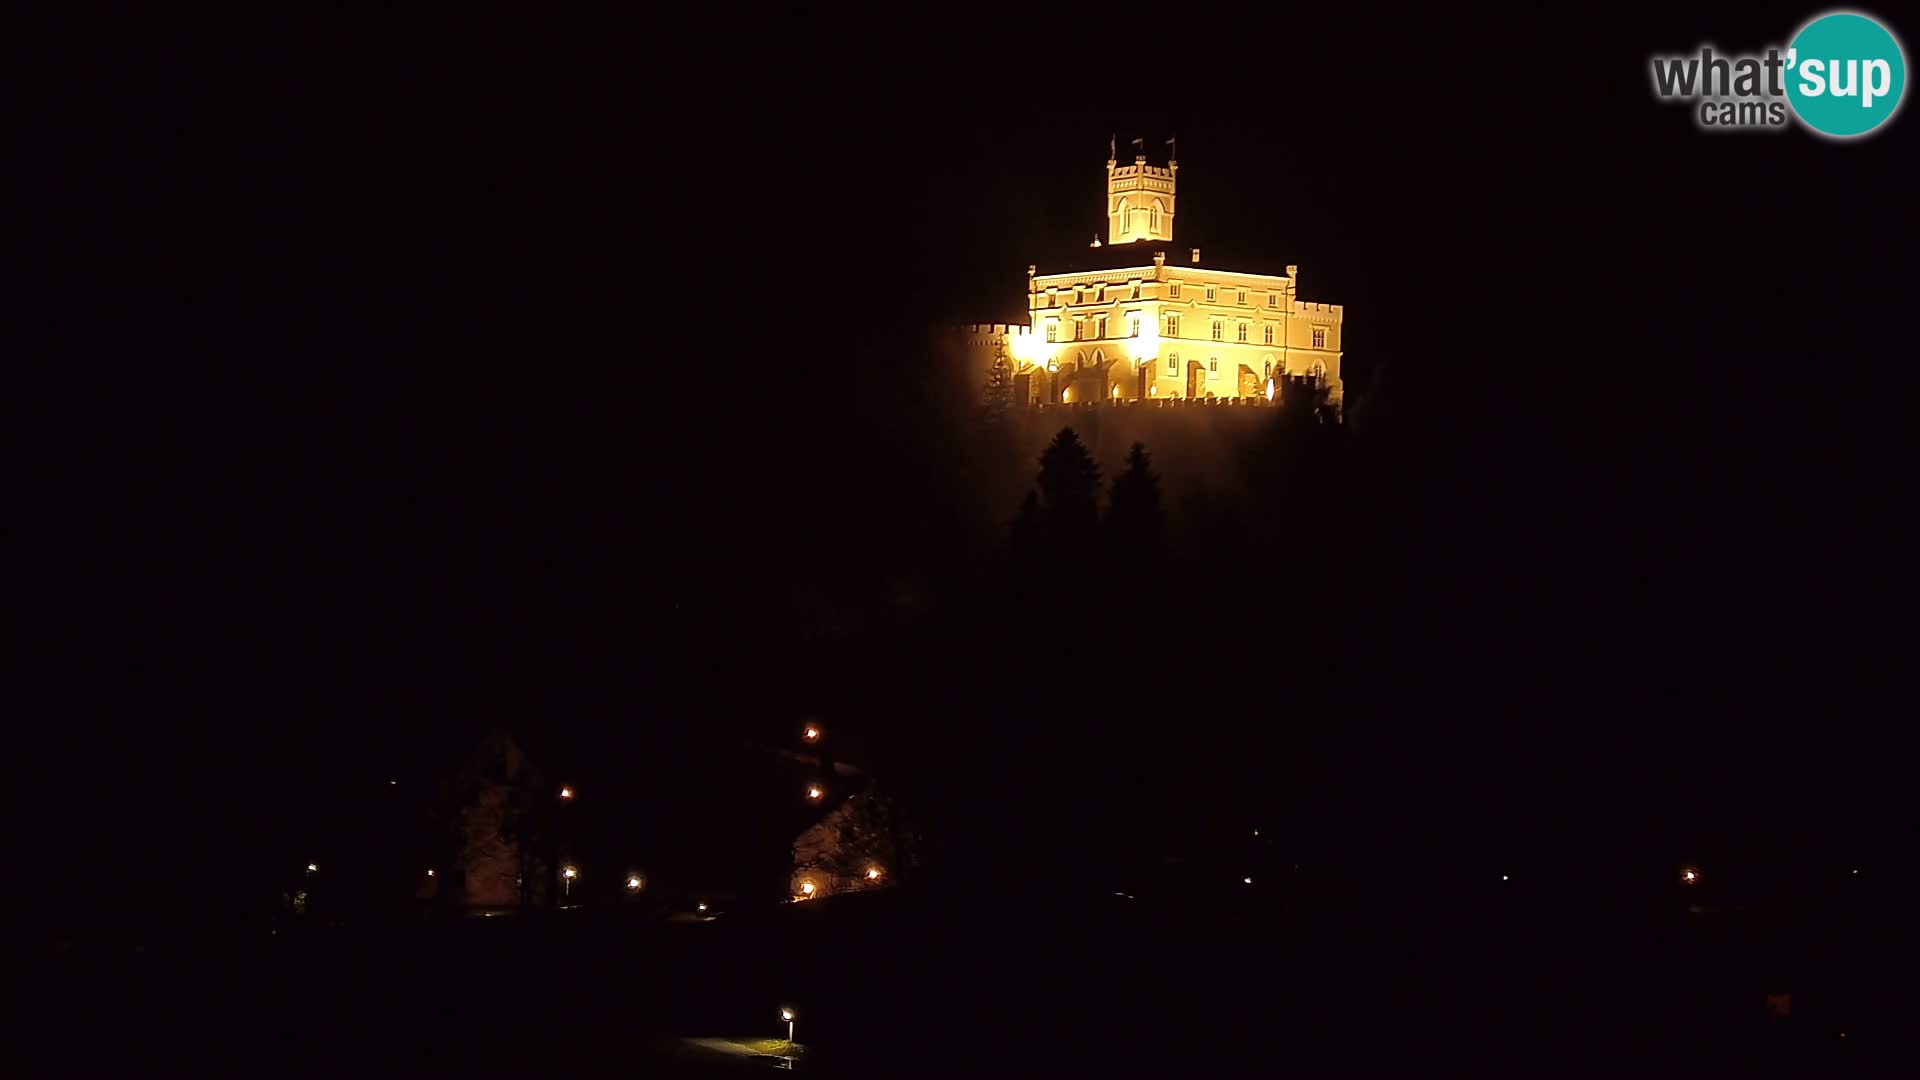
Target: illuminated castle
[1133, 318]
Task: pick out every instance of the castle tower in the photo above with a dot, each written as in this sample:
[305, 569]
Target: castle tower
[1139, 198]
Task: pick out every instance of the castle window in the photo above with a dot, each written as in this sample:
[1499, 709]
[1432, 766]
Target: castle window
[1173, 326]
[1136, 290]
[1173, 361]
[1051, 327]
[1133, 326]
[1210, 294]
[1241, 298]
[1273, 299]
[1173, 290]
[1219, 330]
[1242, 332]
[1079, 328]
[1266, 333]
[1154, 216]
[1319, 337]
[1101, 327]
[1123, 215]
[1213, 366]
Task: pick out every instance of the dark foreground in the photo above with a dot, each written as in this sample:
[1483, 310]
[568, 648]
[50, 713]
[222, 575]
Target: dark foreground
[907, 984]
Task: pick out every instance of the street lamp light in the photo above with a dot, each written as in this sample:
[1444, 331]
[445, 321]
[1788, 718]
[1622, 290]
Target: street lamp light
[815, 792]
[807, 889]
[873, 873]
[787, 1015]
[701, 906]
[1690, 876]
[634, 883]
[566, 881]
[566, 793]
[811, 733]
[312, 868]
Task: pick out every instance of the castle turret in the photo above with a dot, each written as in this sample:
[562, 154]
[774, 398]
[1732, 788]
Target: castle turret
[1139, 199]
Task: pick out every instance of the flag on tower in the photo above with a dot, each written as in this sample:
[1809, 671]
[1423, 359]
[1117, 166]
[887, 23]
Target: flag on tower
[1140, 144]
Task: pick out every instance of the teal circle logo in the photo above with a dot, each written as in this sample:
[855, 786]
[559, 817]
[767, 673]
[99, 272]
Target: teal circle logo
[1845, 74]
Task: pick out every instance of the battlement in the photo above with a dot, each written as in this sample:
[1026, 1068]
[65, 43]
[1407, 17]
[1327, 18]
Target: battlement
[1121, 172]
[1059, 408]
[1335, 311]
[985, 333]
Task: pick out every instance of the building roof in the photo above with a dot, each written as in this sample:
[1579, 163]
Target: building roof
[1179, 252]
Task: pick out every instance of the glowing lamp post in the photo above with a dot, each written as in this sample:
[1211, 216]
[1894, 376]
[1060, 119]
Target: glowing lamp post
[313, 868]
[566, 793]
[811, 733]
[1689, 876]
[566, 881]
[807, 889]
[873, 873]
[787, 1015]
[815, 793]
[635, 883]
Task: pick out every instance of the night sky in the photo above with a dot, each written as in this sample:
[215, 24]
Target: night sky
[371, 416]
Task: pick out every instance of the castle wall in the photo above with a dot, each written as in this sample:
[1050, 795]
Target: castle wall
[1172, 345]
